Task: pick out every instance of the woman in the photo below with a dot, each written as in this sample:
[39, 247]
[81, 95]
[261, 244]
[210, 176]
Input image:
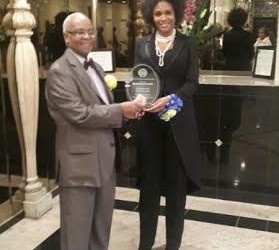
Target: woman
[169, 155]
[263, 38]
[238, 43]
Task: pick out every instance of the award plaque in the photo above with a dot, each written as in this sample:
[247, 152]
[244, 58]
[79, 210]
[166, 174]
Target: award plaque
[143, 81]
[264, 64]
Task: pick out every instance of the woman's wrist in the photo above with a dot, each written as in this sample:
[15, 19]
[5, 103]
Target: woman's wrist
[172, 107]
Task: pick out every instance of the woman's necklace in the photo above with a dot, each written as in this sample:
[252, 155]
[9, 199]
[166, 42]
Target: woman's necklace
[166, 40]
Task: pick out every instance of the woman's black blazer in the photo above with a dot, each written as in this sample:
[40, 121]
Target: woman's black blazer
[179, 76]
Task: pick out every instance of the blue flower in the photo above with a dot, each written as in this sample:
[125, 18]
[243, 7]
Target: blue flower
[174, 105]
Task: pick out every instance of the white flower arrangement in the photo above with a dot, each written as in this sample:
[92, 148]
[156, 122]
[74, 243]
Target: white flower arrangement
[202, 15]
[168, 115]
[111, 81]
[195, 23]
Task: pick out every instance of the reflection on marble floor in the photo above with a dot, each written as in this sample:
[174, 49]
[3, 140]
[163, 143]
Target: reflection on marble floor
[30, 234]
[197, 236]
[214, 205]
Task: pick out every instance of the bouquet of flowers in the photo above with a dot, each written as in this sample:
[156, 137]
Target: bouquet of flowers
[174, 105]
[197, 13]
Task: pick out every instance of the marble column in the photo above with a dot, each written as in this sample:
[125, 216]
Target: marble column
[8, 24]
[23, 78]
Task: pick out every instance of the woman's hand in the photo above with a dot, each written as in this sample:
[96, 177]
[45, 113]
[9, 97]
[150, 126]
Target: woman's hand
[158, 106]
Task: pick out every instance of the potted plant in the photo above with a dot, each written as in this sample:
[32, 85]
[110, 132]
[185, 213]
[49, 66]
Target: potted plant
[195, 24]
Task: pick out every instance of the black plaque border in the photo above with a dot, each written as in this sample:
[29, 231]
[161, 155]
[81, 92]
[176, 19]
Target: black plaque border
[271, 76]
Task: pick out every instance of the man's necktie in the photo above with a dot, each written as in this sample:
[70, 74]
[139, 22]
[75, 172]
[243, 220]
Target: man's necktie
[88, 63]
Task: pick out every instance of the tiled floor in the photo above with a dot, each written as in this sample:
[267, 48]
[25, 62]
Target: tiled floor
[209, 225]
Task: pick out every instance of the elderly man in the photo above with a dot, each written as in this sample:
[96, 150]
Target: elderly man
[85, 116]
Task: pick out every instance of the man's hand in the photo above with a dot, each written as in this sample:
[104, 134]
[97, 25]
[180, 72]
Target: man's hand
[140, 100]
[158, 106]
[132, 110]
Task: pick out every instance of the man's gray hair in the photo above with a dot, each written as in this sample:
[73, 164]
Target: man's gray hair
[67, 22]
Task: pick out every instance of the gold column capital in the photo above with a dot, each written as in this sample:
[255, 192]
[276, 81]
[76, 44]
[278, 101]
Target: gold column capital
[7, 20]
[23, 17]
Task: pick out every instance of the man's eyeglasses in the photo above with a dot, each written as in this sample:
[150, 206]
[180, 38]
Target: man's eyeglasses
[82, 33]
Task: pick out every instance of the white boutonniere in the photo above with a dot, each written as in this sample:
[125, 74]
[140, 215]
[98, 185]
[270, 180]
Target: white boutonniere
[111, 81]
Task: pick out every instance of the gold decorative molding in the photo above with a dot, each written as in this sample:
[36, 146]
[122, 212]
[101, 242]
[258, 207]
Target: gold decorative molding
[7, 21]
[23, 19]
